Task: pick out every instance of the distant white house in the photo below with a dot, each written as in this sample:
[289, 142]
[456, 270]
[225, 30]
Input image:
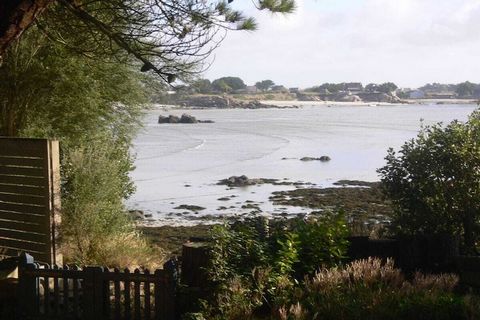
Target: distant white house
[417, 94]
[436, 94]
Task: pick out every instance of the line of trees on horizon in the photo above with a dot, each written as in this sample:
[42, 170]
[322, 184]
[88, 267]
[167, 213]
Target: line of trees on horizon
[233, 84]
[228, 84]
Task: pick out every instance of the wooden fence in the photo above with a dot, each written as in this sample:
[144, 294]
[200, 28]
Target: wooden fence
[46, 292]
[29, 197]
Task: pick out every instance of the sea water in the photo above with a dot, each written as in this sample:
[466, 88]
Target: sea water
[181, 163]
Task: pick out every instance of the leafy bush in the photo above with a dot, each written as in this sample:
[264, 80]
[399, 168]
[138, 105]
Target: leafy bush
[256, 264]
[370, 289]
[434, 181]
[96, 228]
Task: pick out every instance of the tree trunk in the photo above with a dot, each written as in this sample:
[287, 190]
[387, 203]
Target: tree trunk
[15, 17]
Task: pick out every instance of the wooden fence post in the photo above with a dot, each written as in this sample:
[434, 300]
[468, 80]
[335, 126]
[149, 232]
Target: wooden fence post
[27, 301]
[93, 293]
[170, 284]
[195, 260]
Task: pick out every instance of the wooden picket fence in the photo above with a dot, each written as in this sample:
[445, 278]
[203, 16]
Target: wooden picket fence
[51, 292]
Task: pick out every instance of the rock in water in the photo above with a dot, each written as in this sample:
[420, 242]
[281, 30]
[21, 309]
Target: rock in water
[186, 118]
[322, 159]
[169, 119]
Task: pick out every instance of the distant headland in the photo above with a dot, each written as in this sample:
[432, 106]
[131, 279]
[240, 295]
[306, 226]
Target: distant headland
[232, 92]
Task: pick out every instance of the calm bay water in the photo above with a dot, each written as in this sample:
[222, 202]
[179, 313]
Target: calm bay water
[180, 163]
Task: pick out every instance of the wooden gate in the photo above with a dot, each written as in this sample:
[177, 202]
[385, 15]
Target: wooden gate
[46, 292]
[29, 197]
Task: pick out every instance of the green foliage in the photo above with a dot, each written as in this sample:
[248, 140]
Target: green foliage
[95, 227]
[227, 84]
[333, 87]
[264, 85]
[322, 242]
[93, 107]
[465, 89]
[202, 86]
[387, 87]
[371, 87]
[370, 289]
[256, 264]
[434, 181]
[282, 6]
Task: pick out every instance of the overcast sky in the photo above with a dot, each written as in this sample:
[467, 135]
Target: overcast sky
[409, 42]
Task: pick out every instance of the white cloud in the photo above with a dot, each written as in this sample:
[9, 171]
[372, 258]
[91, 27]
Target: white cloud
[410, 42]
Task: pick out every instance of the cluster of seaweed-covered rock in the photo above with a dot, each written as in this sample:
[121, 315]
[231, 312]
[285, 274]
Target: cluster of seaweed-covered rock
[322, 159]
[243, 181]
[185, 118]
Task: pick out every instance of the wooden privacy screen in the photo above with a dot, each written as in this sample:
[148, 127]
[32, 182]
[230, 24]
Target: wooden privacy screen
[29, 197]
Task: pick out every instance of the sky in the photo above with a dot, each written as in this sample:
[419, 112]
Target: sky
[409, 42]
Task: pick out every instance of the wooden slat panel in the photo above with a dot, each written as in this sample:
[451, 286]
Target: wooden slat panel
[21, 161]
[116, 286]
[22, 217]
[136, 296]
[25, 199]
[76, 299]
[18, 180]
[22, 147]
[56, 295]
[16, 225]
[146, 289]
[27, 190]
[66, 296]
[127, 298]
[22, 171]
[24, 236]
[5, 206]
[47, 296]
[22, 245]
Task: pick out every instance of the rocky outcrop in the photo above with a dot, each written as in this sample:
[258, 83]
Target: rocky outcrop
[139, 214]
[322, 159]
[238, 181]
[209, 101]
[169, 119]
[243, 181]
[185, 118]
[220, 102]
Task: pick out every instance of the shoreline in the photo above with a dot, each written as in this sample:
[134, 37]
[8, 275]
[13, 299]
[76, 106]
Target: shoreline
[363, 203]
[298, 104]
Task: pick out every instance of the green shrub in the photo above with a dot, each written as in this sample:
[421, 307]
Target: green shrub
[95, 226]
[256, 264]
[434, 182]
[370, 289]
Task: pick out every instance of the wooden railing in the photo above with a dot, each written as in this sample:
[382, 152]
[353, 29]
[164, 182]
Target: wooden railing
[51, 292]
